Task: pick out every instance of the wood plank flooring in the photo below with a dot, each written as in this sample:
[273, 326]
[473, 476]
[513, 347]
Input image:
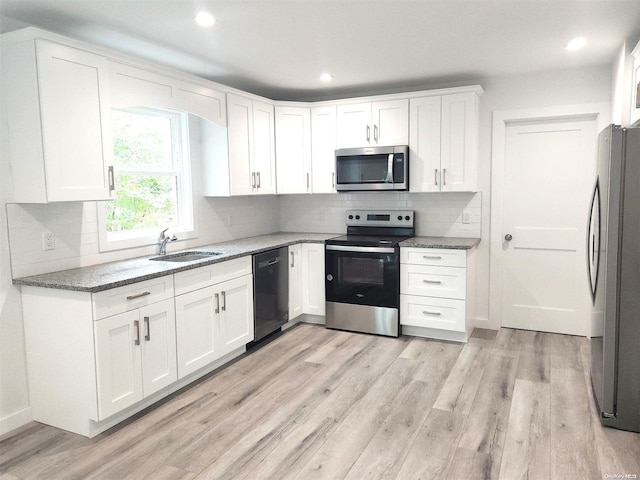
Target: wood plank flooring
[323, 404]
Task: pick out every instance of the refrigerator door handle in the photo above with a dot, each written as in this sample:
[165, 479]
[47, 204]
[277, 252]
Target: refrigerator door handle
[593, 239]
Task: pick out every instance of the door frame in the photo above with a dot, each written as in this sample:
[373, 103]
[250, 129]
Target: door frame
[600, 112]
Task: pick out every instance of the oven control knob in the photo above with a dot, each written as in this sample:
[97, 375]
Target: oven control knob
[357, 217]
[407, 218]
[399, 217]
[350, 217]
[329, 277]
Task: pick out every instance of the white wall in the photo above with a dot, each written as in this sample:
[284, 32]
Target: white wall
[74, 224]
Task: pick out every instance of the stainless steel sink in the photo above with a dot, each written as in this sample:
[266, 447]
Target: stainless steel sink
[189, 256]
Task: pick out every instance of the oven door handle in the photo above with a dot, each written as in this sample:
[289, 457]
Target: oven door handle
[345, 248]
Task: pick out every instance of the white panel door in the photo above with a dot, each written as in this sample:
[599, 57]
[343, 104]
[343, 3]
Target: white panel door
[323, 149]
[354, 125]
[264, 163]
[76, 122]
[424, 143]
[236, 313]
[293, 150]
[390, 122]
[118, 362]
[458, 155]
[158, 340]
[240, 134]
[313, 293]
[196, 330]
[548, 171]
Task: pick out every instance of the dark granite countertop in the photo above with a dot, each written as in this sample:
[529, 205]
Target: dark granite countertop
[104, 276]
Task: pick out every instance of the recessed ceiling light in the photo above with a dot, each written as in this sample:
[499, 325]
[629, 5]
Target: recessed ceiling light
[205, 19]
[326, 77]
[576, 44]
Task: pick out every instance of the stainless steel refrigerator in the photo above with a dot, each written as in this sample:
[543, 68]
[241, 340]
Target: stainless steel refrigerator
[614, 274]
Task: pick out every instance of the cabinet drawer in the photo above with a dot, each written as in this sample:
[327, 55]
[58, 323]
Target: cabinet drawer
[434, 256]
[428, 312]
[122, 299]
[211, 274]
[445, 282]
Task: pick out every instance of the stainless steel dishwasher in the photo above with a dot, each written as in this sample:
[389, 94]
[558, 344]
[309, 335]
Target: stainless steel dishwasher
[270, 291]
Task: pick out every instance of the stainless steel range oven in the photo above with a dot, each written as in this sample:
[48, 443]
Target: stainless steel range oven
[362, 271]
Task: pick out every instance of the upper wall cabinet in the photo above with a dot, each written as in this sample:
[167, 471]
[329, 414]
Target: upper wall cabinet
[323, 149]
[251, 146]
[443, 143]
[293, 149]
[373, 124]
[56, 103]
[635, 87]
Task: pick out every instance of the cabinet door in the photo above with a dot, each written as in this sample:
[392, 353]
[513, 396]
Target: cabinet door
[354, 125]
[313, 297]
[158, 340]
[196, 332]
[390, 122]
[424, 143]
[118, 362]
[264, 148]
[236, 313]
[76, 122]
[323, 149]
[459, 142]
[295, 281]
[240, 125]
[293, 150]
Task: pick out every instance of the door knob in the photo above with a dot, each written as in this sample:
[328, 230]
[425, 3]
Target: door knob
[508, 237]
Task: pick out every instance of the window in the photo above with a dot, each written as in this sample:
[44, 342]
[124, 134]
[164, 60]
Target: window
[153, 179]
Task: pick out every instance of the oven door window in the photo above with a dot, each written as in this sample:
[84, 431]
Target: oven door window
[363, 278]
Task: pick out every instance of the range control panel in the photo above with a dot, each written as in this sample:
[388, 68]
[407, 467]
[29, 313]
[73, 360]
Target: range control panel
[380, 218]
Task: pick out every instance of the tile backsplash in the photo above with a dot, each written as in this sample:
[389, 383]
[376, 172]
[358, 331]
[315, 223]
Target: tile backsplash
[74, 225]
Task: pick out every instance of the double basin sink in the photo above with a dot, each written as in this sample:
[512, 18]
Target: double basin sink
[187, 256]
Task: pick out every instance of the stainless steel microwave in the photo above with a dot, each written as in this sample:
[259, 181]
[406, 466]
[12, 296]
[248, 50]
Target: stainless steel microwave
[372, 168]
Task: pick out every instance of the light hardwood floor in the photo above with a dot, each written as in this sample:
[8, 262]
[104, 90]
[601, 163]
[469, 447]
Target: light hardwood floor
[323, 404]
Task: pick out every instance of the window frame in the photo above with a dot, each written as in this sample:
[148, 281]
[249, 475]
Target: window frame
[186, 201]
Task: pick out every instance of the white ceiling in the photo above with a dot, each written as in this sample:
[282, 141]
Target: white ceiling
[279, 48]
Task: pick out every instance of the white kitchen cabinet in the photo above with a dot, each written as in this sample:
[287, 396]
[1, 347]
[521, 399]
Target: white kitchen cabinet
[202, 101]
[214, 312]
[443, 143]
[313, 292]
[56, 101]
[295, 281]
[323, 149]
[138, 87]
[436, 293]
[135, 356]
[373, 124]
[251, 146]
[634, 118]
[293, 149]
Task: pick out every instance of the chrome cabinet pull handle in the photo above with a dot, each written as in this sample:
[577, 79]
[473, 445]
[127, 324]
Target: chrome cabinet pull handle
[112, 180]
[432, 257]
[435, 177]
[217, 303]
[375, 133]
[143, 294]
[136, 325]
[224, 301]
[253, 180]
[368, 133]
[444, 176]
[333, 180]
[307, 182]
[147, 324]
[435, 282]
[427, 312]
[258, 187]
[292, 260]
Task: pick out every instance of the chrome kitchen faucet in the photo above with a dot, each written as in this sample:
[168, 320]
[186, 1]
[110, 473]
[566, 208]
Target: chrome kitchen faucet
[163, 240]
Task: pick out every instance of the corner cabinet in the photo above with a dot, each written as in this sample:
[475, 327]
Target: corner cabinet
[323, 149]
[443, 143]
[251, 146]
[293, 149]
[56, 100]
[437, 293]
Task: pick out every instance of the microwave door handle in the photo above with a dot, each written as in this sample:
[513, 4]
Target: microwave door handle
[390, 168]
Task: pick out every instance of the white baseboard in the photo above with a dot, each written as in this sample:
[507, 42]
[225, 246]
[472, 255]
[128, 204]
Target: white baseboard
[485, 323]
[15, 420]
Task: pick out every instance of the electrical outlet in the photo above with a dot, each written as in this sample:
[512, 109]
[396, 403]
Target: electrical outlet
[229, 220]
[48, 242]
[466, 217]
[321, 215]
